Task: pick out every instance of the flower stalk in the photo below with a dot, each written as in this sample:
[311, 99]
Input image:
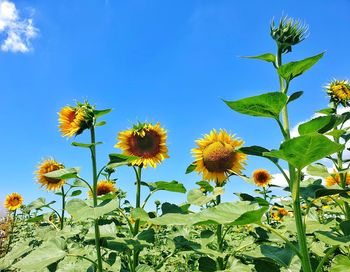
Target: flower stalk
[94, 187]
[294, 177]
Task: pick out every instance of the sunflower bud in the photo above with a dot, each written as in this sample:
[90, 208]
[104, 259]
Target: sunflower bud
[339, 92]
[289, 32]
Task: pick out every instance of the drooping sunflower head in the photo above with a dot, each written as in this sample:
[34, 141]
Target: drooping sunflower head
[47, 166]
[216, 156]
[339, 92]
[261, 177]
[74, 120]
[104, 187]
[13, 201]
[335, 179]
[146, 141]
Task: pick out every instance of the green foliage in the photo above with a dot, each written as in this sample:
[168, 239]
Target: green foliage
[264, 105]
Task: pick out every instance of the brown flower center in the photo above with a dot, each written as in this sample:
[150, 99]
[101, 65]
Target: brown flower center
[102, 190]
[218, 157]
[262, 176]
[146, 146]
[14, 201]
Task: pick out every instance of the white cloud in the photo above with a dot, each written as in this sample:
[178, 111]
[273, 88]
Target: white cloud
[279, 180]
[18, 32]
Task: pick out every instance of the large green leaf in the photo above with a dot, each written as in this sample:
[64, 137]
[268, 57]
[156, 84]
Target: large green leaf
[38, 203]
[305, 149]
[49, 253]
[65, 173]
[264, 105]
[340, 263]
[295, 68]
[320, 124]
[197, 197]
[80, 210]
[332, 239]
[283, 256]
[317, 170]
[231, 213]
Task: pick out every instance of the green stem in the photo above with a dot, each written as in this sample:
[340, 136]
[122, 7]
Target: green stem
[325, 258]
[219, 260]
[138, 205]
[11, 233]
[294, 178]
[305, 258]
[63, 207]
[267, 213]
[94, 187]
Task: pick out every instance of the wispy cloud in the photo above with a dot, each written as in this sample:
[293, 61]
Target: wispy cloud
[17, 32]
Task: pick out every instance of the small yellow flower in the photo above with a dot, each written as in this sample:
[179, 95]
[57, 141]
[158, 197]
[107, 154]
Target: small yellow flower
[261, 177]
[278, 213]
[45, 167]
[13, 201]
[146, 141]
[104, 187]
[339, 92]
[216, 156]
[335, 179]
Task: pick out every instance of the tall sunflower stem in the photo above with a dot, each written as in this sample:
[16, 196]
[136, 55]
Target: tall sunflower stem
[63, 207]
[94, 176]
[267, 213]
[136, 252]
[11, 233]
[219, 260]
[294, 177]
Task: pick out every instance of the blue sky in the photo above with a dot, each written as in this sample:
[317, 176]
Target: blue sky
[166, 61]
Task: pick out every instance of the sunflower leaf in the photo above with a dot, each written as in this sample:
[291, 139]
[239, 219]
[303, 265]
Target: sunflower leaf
[294, 96]
[85, 145]
[99, 113]
[190, 168]
[269, 57]
[264, 105]
[172, 186]
[256, 150]
[295, 68]
[305, 149]
[65, 173]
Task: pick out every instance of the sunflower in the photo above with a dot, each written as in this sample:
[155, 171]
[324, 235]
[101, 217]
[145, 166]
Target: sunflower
[104, 187]
[216, 156]
[13, 201]
[339, 92]
[261, 177]
[146, 141]
[74, 120]
[45, 167]
[278, 213]
[335, 179]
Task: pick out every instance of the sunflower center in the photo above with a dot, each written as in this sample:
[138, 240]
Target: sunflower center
[14, 201]
[218, 157]
[146, 146]
[102, 190]
[262, 177]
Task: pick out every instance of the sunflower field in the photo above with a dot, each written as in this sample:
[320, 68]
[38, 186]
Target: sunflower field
[94, 227]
